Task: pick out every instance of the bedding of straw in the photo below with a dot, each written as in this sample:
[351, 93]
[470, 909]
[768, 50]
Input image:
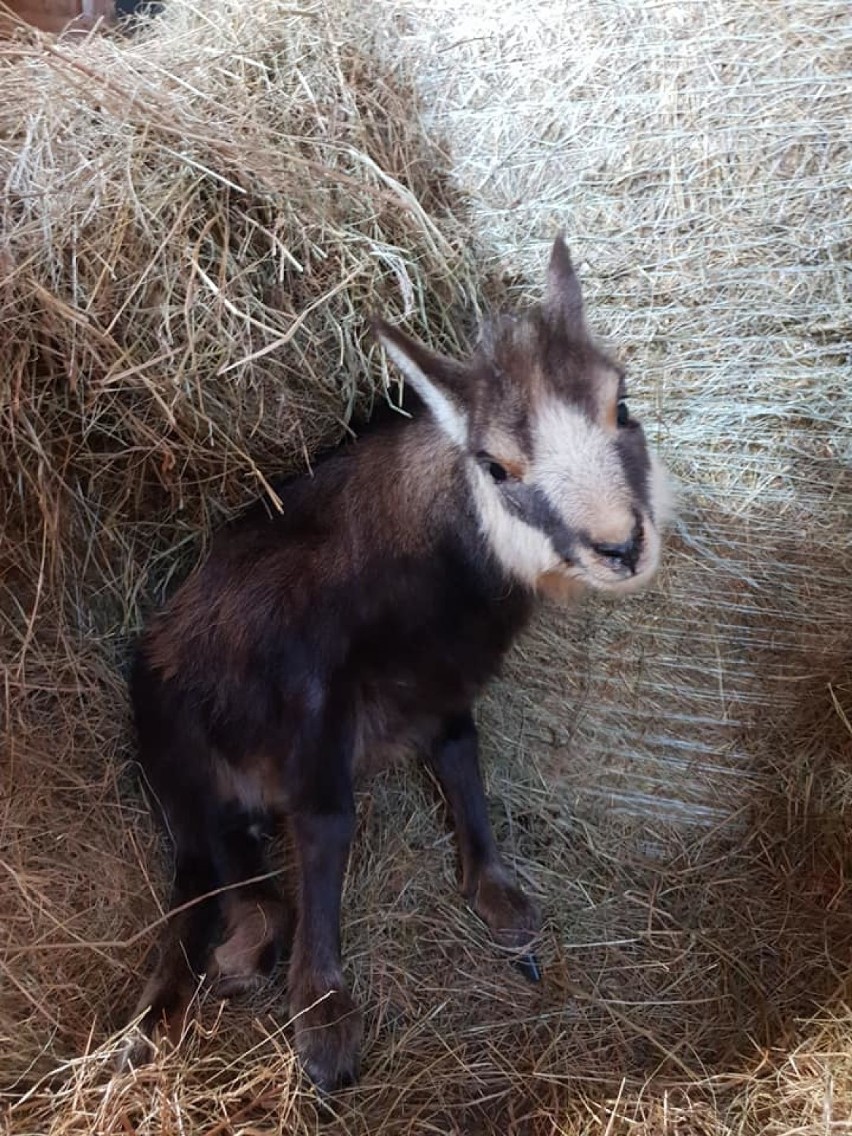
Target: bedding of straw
[195, 221]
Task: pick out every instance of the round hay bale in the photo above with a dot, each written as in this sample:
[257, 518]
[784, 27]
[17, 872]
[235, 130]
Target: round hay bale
[194, 223]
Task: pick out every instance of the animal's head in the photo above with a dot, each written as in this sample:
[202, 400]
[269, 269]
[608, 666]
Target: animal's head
[567, 491]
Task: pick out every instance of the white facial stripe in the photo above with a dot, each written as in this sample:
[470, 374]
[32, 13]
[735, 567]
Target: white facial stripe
[447, 414]
[523, 551]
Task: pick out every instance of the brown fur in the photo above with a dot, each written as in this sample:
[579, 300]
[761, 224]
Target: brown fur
[361, 623]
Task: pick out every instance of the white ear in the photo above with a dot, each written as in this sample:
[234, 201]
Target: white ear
[433, 377]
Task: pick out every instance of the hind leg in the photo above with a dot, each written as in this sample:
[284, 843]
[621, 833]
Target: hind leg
[217, 849]
[184, 952]
[327, 1023]
[258, 918]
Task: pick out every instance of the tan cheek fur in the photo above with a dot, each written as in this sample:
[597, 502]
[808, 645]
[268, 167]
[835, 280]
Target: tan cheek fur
[558, 585]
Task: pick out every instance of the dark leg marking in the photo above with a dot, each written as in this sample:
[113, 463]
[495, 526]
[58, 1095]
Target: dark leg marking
[487, 884]
[328, 1025]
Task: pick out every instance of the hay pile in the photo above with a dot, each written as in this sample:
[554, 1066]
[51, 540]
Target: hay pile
[193, 223]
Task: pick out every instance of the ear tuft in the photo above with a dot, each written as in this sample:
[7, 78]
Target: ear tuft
[437, 380]
[563, 302]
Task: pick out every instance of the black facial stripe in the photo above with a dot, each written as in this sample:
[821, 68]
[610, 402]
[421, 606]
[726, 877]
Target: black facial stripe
[533, 507]
[634, 461]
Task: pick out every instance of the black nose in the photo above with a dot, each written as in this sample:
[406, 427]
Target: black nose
[625, 555]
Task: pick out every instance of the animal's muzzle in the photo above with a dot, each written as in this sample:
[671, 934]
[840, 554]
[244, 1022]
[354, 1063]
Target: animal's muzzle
[625, 556]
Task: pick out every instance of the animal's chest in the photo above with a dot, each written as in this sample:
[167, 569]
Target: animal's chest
[420, 668]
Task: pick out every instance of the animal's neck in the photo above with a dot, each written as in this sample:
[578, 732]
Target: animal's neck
[439, 500]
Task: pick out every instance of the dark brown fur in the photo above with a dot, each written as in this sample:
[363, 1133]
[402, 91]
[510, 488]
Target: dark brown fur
[366, 616]
[367, 613]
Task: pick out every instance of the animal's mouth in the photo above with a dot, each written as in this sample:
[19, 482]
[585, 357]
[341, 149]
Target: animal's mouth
[622, 558]
[623, 567]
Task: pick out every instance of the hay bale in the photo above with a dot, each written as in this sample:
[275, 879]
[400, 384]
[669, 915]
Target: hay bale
[195, 224]
[695, 153]
[673, 774]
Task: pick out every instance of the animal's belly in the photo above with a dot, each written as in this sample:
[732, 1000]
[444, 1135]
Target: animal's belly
[386, 735]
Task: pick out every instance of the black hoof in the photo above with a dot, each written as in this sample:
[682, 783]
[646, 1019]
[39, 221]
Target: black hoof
[326, 1088]
[529, 968]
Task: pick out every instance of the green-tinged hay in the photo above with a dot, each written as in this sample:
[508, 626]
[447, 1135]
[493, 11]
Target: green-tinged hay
[195, 222]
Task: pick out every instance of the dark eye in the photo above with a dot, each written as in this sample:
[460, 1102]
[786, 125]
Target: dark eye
[622, 414]
[497, 472]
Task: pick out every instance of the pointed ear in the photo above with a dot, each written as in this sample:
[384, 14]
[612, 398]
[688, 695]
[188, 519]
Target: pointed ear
[563, 301]
[439, 381]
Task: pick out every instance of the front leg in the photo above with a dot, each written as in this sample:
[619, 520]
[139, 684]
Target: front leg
[327, 1022]
[487, 884]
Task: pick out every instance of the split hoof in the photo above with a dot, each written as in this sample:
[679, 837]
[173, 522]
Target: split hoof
[328, 1041]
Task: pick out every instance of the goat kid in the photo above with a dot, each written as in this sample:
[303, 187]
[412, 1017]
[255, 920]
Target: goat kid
[368, 615]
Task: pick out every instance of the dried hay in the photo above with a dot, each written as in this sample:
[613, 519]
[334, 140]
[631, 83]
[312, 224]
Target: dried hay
[671, 776]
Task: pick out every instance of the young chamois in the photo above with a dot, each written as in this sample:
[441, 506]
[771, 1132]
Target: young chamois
[368, 615]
